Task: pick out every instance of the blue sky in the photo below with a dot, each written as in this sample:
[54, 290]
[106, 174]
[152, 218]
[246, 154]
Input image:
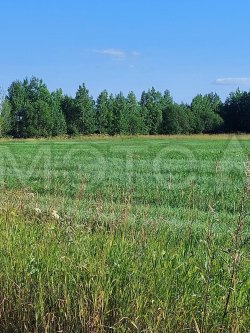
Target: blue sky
[186, 46]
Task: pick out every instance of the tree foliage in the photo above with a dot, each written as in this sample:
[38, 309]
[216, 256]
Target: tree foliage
[85, 111]
[236, 112]
[29, 109]
[34, 111]
[205, 113]
[103, 113]
[151, 103]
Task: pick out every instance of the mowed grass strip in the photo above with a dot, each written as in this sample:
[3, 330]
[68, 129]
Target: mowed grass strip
[132, 235]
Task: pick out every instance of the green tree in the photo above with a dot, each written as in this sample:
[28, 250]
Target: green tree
[236, 112]
[166, 103]
[30, 108]
[177, 119]
[104, 113]
[85, 111]
[18, 102]
[70, 114]
[1, 110]
[58, 119]
[205, 111]
[118, 106]
[151, 103]
[5, 118]
[131, 119]
[145, 112]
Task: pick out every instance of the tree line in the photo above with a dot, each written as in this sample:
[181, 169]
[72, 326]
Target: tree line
[29, 109]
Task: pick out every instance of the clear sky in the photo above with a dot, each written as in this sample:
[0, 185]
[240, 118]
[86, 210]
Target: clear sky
[186, 46]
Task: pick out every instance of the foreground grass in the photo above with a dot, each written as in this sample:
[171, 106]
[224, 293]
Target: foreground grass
[155, 278]
[147, 236]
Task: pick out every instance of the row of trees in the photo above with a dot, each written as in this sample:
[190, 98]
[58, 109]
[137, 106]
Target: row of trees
[30, 110]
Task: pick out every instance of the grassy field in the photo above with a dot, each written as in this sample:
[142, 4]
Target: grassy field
[133, 234]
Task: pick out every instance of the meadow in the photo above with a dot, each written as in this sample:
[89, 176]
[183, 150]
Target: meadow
[125, 234]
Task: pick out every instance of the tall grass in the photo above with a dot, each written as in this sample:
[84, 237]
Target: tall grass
[143, 239]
